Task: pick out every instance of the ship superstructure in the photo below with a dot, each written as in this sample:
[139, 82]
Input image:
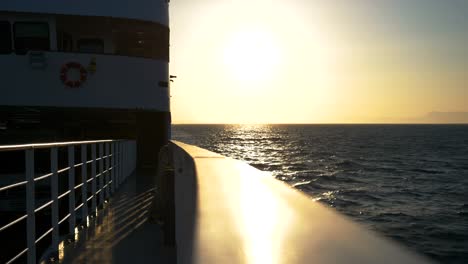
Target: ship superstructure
[75, 71]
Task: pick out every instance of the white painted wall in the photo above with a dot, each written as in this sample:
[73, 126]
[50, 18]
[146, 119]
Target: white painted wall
[150, 10]
[119, 82]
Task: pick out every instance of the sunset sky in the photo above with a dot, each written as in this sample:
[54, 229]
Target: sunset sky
[317, 61]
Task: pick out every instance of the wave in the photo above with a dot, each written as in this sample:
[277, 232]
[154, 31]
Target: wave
[405, 181]
[427, 171]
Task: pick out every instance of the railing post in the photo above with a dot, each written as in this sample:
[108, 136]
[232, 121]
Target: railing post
[71, 187]
[93, 175]
[101, 170]
[130, 155]
[134, 155]
[116, 162]
[113, 167]
[54, 197]
[120, 162]
[30, 206]
[125, 159]
[84, 180]
[107, 181]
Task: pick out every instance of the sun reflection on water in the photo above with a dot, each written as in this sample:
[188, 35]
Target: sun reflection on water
[255, 144]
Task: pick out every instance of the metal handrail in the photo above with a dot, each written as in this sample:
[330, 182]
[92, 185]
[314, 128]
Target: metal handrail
[43, 206]
[13, 222]
[43, 177]
[44, 235]
[4, 188]
[112, 161]
[53, 144]
[17, 256]
[226, 211]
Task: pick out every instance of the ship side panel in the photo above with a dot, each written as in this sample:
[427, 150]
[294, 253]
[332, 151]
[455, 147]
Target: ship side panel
[119, 82]
[149, 10]
[75, 75]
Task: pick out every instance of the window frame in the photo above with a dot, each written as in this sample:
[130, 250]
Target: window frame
[8, 23]
[25, 51]
[64, 37]
[91, 39]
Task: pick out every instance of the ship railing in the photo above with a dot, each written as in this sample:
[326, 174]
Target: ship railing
[227, 211]
[110, 162]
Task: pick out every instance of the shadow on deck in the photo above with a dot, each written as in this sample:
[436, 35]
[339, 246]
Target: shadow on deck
[122, 232]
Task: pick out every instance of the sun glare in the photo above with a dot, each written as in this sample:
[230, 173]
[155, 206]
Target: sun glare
[252, 55]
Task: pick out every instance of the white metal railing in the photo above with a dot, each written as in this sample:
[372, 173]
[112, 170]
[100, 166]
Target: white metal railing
[110, 163]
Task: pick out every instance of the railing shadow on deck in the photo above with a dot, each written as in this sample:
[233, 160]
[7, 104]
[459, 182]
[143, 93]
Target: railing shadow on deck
[104, 240]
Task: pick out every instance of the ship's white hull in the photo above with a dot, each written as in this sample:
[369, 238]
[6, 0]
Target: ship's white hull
[119, 82]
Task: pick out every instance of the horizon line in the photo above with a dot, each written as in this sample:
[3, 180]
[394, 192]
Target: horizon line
[357, 123]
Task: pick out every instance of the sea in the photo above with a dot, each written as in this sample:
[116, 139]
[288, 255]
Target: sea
[406, 182]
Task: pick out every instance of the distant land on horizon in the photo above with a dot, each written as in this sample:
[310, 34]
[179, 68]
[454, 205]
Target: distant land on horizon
[443, 118]
[434, 117]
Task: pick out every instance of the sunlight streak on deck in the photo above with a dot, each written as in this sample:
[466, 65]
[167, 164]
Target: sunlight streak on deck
[120, 233]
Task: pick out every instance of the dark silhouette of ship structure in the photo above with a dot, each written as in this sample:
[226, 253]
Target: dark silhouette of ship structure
[88, 173]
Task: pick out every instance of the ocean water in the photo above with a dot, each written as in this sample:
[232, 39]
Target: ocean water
[407, 182]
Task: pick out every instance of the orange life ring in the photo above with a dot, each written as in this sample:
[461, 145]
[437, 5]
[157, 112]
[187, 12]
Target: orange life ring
[73, 83]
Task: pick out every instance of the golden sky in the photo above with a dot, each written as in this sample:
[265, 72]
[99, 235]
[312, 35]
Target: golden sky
[317, 61]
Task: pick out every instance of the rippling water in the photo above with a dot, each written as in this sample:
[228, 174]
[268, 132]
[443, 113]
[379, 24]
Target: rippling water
[408, 182]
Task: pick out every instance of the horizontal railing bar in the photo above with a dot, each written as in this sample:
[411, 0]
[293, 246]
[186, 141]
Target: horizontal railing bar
[79, 206]
[17, 256]
[50, 145]
[4, 188]
[44, 235]
[107, 166]
[13, 222]
[63, 170]
[63, 194]
[63, 219]
[43, 206]
[104, 157]
[43, 177]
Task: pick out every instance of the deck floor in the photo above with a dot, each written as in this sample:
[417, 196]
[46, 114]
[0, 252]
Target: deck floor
[122, 232]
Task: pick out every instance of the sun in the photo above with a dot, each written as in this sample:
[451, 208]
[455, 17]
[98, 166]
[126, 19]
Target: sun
[252, 55]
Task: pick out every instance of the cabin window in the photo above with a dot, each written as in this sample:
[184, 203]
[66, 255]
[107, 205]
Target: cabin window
[64, 42]
[91, 46]
[141, 39]
[5, 37]
[31, 36]
[105, 35]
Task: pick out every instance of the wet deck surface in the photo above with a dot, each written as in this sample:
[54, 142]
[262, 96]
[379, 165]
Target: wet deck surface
[122, 231]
